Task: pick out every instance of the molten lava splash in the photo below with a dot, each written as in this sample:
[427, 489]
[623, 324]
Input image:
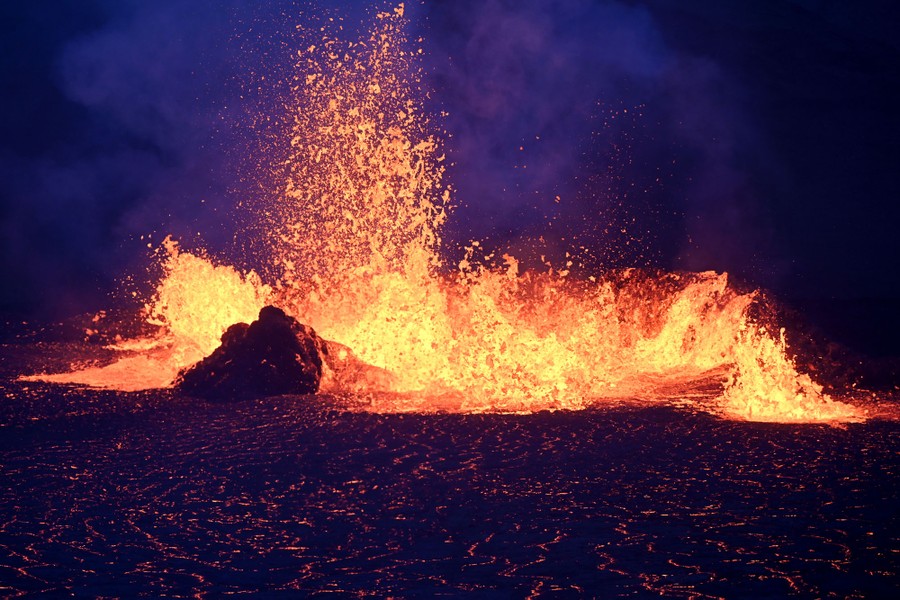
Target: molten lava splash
[194, 303]
[356, 235]
[522, 344]
[764, 385]
[363, 178]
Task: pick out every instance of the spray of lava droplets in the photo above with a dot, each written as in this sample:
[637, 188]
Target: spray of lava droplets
[356, 236]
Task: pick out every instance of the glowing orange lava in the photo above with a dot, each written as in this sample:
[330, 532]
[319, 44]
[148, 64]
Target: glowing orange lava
[356, 233]
[194, 303]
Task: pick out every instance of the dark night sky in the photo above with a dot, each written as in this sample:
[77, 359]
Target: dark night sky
[761, 138]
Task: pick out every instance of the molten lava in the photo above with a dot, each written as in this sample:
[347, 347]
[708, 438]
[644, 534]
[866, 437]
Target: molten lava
[194, 303]
[356, 235]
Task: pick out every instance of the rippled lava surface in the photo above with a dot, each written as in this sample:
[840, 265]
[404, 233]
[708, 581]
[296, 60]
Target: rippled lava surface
[105, 494]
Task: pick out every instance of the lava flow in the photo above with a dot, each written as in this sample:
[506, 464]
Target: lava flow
[356, 235]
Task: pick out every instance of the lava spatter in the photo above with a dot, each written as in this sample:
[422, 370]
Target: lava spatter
[355, 232]
[194, 302]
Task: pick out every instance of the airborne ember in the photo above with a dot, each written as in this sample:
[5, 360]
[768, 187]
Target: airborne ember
[355, 233]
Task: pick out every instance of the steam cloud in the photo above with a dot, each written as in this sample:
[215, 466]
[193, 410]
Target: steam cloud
[587, 101]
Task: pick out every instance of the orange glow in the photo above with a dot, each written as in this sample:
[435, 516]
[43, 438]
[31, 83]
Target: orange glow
[194, 303]
[356, 232]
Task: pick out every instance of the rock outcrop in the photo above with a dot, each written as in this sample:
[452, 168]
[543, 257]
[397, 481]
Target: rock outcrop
[271, 356]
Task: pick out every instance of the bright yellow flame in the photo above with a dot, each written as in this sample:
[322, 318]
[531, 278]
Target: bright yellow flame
[194, 303]
[356, 233]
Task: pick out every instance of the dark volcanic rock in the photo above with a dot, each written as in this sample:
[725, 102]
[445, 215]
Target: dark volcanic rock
[273, 355]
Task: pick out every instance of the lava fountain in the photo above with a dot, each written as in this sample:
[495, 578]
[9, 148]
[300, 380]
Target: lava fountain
[355, 238]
